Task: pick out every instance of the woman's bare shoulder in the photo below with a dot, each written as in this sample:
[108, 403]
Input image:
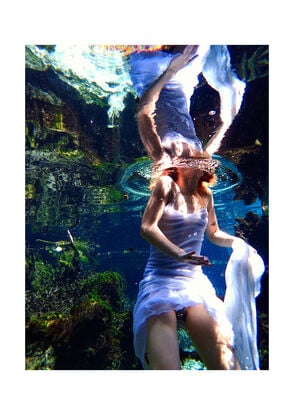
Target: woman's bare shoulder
[165, 186]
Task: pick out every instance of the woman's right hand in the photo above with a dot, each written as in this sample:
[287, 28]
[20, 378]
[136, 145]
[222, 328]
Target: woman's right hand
[193, 259]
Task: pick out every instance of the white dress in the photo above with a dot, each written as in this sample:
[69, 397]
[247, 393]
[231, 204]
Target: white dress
[169, 284]
[172, 285]
[172, 116]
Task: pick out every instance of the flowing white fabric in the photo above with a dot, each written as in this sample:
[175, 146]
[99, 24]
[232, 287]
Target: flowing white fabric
[243, 273]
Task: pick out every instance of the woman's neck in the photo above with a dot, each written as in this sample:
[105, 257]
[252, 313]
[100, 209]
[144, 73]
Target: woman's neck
[188, 183]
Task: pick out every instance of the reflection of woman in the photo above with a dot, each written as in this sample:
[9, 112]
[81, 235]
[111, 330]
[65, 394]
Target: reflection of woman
[165, 83]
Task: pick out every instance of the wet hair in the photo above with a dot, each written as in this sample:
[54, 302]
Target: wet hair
[205, 181]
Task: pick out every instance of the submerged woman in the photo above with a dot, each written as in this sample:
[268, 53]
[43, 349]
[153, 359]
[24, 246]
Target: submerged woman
[179, 212]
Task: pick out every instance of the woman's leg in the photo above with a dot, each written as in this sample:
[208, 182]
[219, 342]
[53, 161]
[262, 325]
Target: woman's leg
[162, 342]
[213, 346]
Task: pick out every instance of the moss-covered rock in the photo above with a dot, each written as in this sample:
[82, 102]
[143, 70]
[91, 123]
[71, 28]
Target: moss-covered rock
[108, 286]
[91, 337]
[78, 322]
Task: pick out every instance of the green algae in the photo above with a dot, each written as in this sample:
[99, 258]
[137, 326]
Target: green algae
[95, 332]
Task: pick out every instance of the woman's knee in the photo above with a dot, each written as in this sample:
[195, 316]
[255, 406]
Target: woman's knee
[225, 357]
[213, 344]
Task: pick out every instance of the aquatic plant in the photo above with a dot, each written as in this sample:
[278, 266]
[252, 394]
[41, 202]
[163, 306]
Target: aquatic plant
[253, 63]
[109, 286]
[185, 342]
[191, 364]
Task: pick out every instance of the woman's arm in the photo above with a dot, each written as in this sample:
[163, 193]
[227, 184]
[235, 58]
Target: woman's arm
[213, 233]
[150, 230]
[147, 104]
[152, 215]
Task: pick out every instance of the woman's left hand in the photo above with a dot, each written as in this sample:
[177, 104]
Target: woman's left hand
[193, 259]
[181, 60]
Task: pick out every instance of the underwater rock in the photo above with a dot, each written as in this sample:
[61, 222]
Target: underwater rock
[252, 163]
[50, 281]
[254, 229]
[96, 333]
[56, 188]
[109, 286]
[96, 72]
[74, 322]
[58, 119]
[86, 341]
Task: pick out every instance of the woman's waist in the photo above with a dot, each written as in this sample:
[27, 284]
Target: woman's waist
[165, 265]
[173, 276]
[177, 126]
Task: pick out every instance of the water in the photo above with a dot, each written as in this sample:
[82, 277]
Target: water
[111, 230]
[134, 252]
[87, 179]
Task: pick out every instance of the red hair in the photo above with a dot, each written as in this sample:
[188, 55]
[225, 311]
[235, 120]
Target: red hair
[205, 181]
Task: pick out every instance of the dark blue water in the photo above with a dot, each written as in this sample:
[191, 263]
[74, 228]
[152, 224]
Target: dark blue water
[112, 231]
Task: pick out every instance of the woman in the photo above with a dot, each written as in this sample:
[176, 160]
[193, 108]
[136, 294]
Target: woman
[179, 211]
